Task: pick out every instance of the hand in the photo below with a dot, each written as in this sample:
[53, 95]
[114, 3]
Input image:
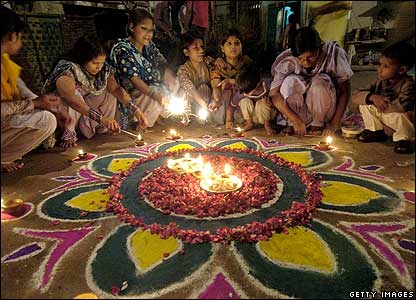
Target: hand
[142, 120]
[380, 102]
[47, 102]
[331, 129]
[213, 106]
[299, 127]
[110, 124]
[220, 63]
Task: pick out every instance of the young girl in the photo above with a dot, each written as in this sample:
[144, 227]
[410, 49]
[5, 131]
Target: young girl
[194, 75]
[139, 64]
[224, 73]
[89, 91]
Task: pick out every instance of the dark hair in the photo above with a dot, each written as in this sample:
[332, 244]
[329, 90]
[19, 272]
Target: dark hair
[306, 39]
[231, 32]
[402, 53]
[188, 38]
[85, 49]
[10, 22]
[136, 16]
[293, 19]
[248, 79]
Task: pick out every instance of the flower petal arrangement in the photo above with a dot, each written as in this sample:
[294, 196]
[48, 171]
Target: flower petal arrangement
[180, 194]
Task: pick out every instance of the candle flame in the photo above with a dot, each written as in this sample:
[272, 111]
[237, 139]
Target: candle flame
[81, 152]
[139, 137]
[170, 163]
[200, 161]
[208, 182]
[329, 140]
[227, 169]
[187, 155]
[185, 166]
[173, 132]
[239, 129]
[207, 170]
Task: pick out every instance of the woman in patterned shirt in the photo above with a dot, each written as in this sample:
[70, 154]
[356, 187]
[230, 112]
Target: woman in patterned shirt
[138, 63]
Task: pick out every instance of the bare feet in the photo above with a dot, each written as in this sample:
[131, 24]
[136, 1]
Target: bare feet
[229, 125]
[269, 129]
[249, 125]
[289, 130]
[11, 167]
[315, 130]
[68, 143]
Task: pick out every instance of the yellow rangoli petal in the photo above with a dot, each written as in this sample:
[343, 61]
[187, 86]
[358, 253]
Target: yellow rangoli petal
[301, 157]
[180, 147]
[341, 193]
[300, 248]
[120, 164]
[238, 145]
[95, 200]
[148, 249]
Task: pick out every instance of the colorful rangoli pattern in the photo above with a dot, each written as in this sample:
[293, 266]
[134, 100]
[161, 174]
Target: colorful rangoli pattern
[339, 251]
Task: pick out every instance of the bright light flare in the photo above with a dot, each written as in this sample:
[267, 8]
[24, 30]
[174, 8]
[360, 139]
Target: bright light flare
[203, 114]
[329, 140]
[176, 105]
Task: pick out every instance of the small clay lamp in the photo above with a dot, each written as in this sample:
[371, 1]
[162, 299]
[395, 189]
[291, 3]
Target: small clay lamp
[82, 154]
[139, 141]
[12, 206]
[174, 135]
[325, 145]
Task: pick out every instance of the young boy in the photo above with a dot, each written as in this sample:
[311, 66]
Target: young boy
[253, 100]
[391, 100]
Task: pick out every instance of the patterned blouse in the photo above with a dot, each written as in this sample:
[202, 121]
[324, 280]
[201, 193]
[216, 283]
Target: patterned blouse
[190, 79]
[85, 82]
[230, 71]
[129, 62]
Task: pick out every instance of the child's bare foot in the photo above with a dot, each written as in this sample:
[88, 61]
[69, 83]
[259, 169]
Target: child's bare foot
[269, 129]
[315, 130]
[68, 143]
[11, 167]
[249, 125]
[289, 130]
[229, 125]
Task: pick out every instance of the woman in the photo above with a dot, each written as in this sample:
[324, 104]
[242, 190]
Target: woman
[224, 73]
[311, 84]
[25, 119]
[138, 64]
[89, 91]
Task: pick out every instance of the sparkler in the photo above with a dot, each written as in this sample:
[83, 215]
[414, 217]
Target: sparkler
[179, 106]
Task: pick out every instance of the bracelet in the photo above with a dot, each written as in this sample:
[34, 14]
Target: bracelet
[132, 105]
[95, 115]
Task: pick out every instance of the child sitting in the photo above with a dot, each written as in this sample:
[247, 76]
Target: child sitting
[223, 75]
[253, 100]
[391, 100]
[194, 75]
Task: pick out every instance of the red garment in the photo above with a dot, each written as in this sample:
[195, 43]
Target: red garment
[200, 16]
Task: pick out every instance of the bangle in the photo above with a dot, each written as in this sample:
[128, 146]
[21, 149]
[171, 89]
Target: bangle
[95, 115]
[132, 105]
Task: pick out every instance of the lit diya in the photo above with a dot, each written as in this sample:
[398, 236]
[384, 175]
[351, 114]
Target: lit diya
[173, 135]
[187, 164]
[239, 132]
[12, 206]
[222, 183]
[325, 145]
[82, 154]
[139, 141]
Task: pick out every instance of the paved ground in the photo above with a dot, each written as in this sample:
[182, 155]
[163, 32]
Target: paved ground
[34, 178]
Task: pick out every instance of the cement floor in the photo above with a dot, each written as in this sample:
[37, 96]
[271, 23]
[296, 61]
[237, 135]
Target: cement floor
[29, 182]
